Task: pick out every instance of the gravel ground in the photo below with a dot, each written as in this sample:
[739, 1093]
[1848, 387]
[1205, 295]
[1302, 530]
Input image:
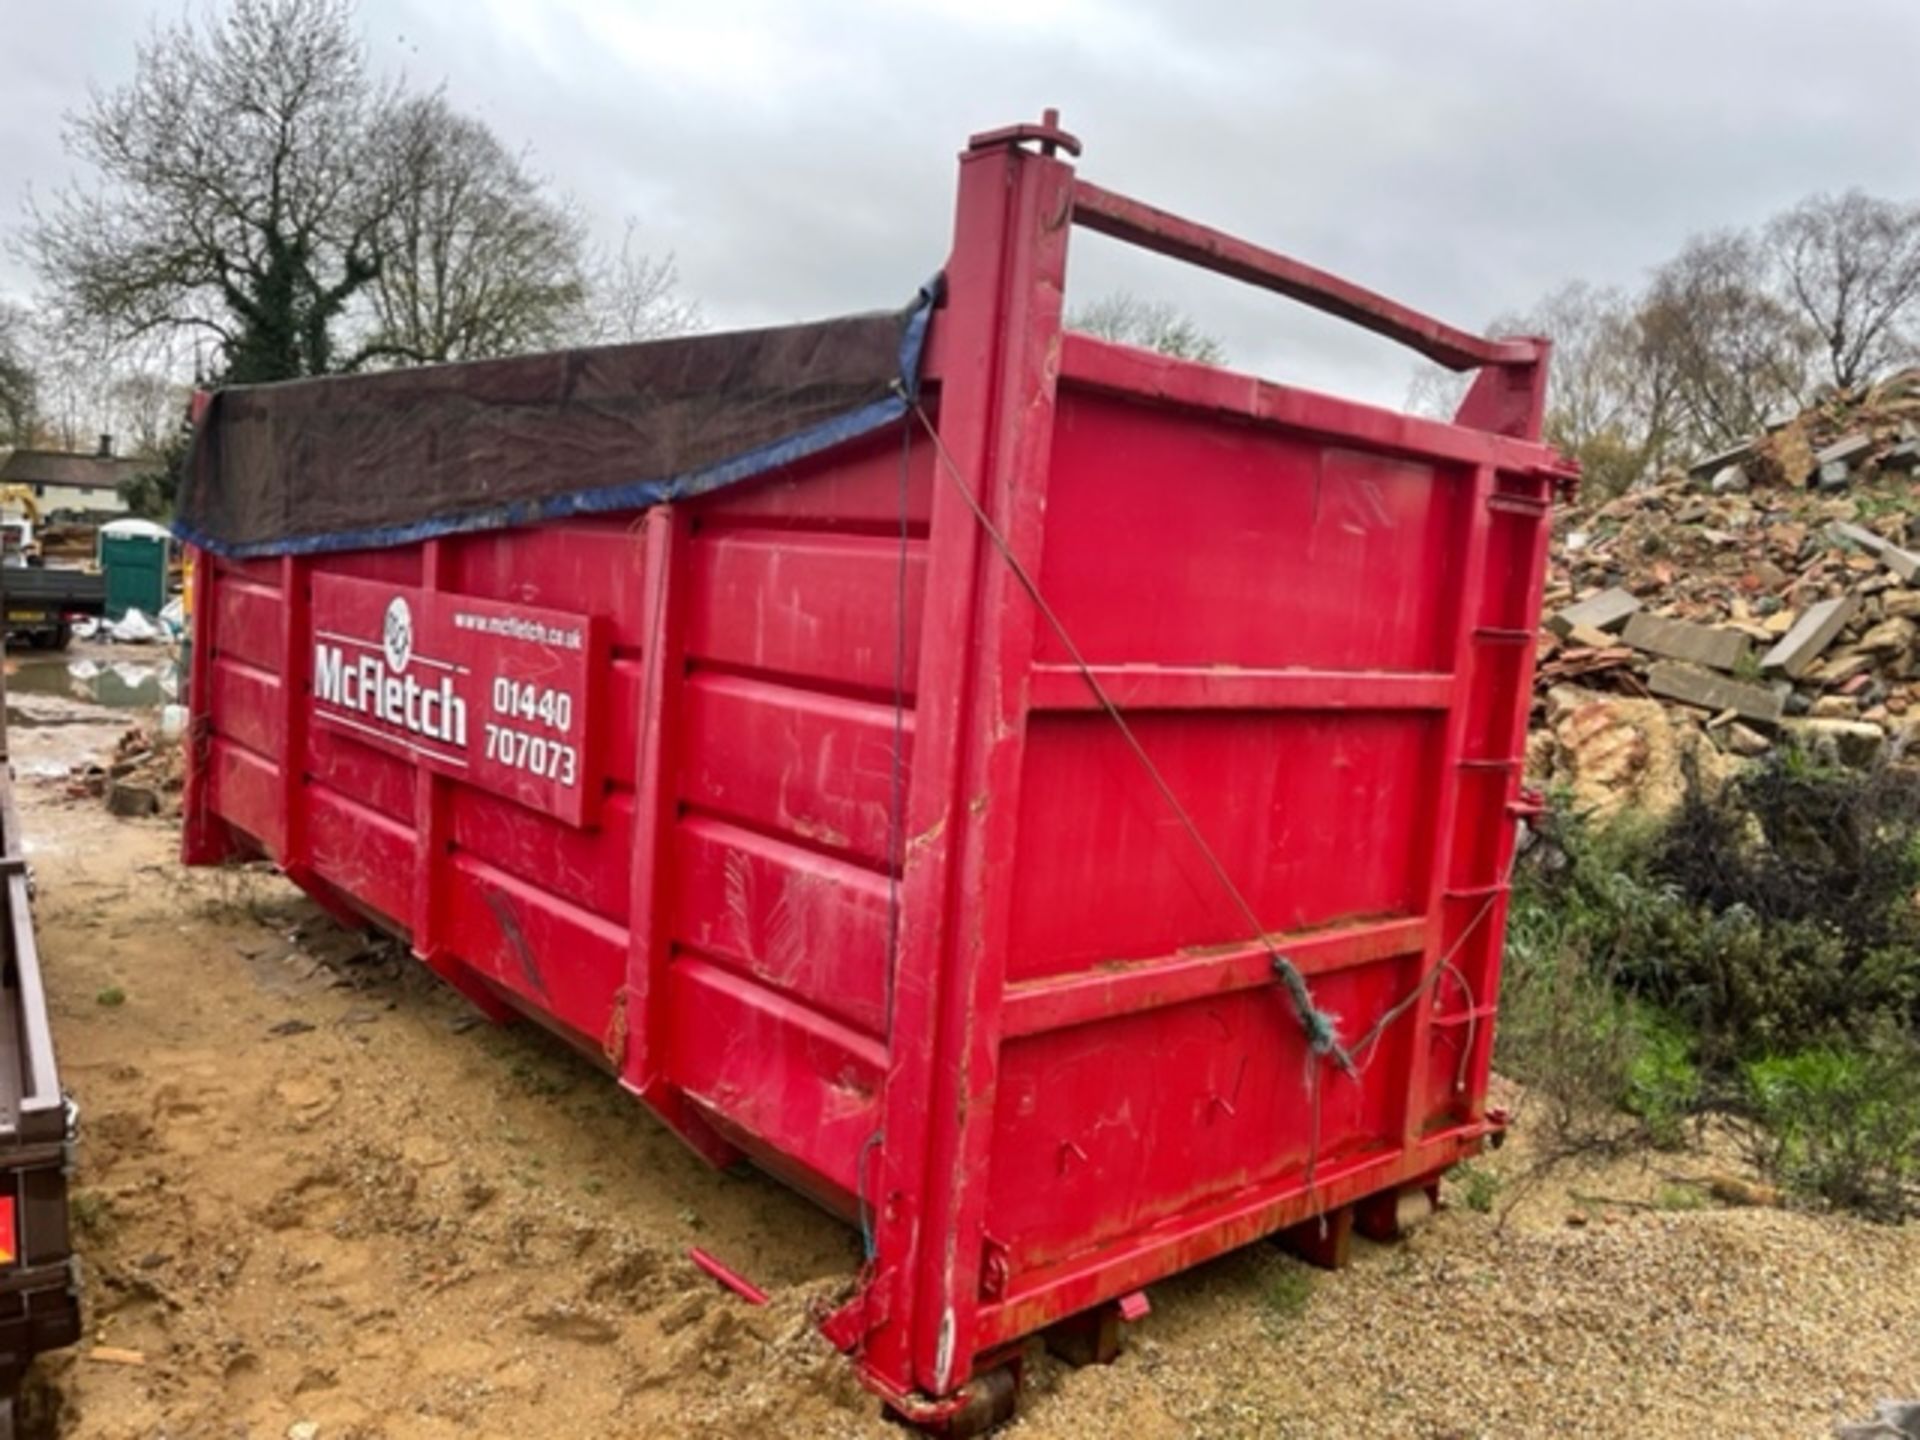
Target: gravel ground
[1749, 1323]
[317, 1194]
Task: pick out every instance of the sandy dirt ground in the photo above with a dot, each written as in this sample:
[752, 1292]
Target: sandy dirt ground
[321, 1200]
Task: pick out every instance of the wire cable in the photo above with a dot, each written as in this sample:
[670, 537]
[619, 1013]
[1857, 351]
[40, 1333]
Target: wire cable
[1318, 1025]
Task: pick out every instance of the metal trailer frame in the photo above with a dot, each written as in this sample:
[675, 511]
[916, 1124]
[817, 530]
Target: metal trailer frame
[938, 931]
[39, 1276]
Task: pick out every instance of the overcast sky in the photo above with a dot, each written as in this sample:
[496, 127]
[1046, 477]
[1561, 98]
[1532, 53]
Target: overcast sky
[797, 157]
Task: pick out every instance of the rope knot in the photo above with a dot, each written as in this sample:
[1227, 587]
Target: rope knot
[1322, 1037]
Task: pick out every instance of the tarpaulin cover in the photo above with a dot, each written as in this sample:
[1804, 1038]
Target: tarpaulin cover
[356, 461]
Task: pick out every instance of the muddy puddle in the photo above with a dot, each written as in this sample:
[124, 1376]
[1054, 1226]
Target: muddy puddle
[141, 679]
[65, 711]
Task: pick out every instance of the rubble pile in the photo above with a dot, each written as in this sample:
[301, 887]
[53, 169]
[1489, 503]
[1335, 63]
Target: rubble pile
[1772, 591]
[142, 777]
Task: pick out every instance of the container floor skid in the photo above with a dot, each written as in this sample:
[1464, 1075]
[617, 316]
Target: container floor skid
[957, 804]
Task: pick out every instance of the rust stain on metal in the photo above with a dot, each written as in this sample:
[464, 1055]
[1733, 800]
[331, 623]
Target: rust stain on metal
[613, 1044]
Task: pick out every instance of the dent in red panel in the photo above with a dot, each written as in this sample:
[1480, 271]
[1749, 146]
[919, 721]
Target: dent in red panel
[782, 1073]
[1106, 1128]
[368, 856]
[812, 927]
[587, 867]
[244, 790]
[361, 772]
[813, 766]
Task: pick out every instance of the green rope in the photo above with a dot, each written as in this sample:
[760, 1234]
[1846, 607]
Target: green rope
[1321, 1035]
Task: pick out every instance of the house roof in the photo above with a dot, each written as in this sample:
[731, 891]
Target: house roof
[80, 472]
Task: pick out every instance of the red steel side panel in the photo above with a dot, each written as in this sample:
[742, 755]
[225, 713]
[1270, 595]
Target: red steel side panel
[1316, 615]
[793, 806]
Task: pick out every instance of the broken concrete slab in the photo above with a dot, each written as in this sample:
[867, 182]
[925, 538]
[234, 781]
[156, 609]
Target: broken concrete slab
[1903, 563]
[1683, 640]
[1720, 459]
[1745, 740]
[1692, 685]
[1809, 636]
[1730, 480]
[1845, 450]
[1608, 610]
[1858, 535]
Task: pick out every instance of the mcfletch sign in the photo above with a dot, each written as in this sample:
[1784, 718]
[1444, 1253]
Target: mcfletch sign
[496, 694]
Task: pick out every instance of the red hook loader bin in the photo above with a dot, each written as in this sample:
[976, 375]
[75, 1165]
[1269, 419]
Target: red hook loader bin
[1049, 802]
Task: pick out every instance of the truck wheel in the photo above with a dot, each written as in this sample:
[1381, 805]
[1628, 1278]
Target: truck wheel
[62, 637]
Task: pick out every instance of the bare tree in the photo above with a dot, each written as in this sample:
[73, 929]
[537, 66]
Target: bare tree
[73, 364]
[475, 260]
[238, 193]
[19, 387]
[1731, 353]
[1436, 392]
[146, 409]
[1726, 336]
[631, 295]
[1609, 404]
[1850, 265]
[1150, 324]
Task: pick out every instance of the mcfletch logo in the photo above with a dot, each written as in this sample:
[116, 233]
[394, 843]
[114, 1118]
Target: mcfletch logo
[397, 635]
[375, 681]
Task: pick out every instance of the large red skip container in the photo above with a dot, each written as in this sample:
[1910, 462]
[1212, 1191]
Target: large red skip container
[1063, 828]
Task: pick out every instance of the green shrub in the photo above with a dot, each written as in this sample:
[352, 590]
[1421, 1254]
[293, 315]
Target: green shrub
[1758, 954]
[1479, 1187]
[1662, 1082]
[1842, 1126]
[1800, 879]
[1584, 904]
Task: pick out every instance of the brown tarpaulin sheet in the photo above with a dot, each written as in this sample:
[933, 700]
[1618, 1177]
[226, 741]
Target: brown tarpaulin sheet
[356, 461]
